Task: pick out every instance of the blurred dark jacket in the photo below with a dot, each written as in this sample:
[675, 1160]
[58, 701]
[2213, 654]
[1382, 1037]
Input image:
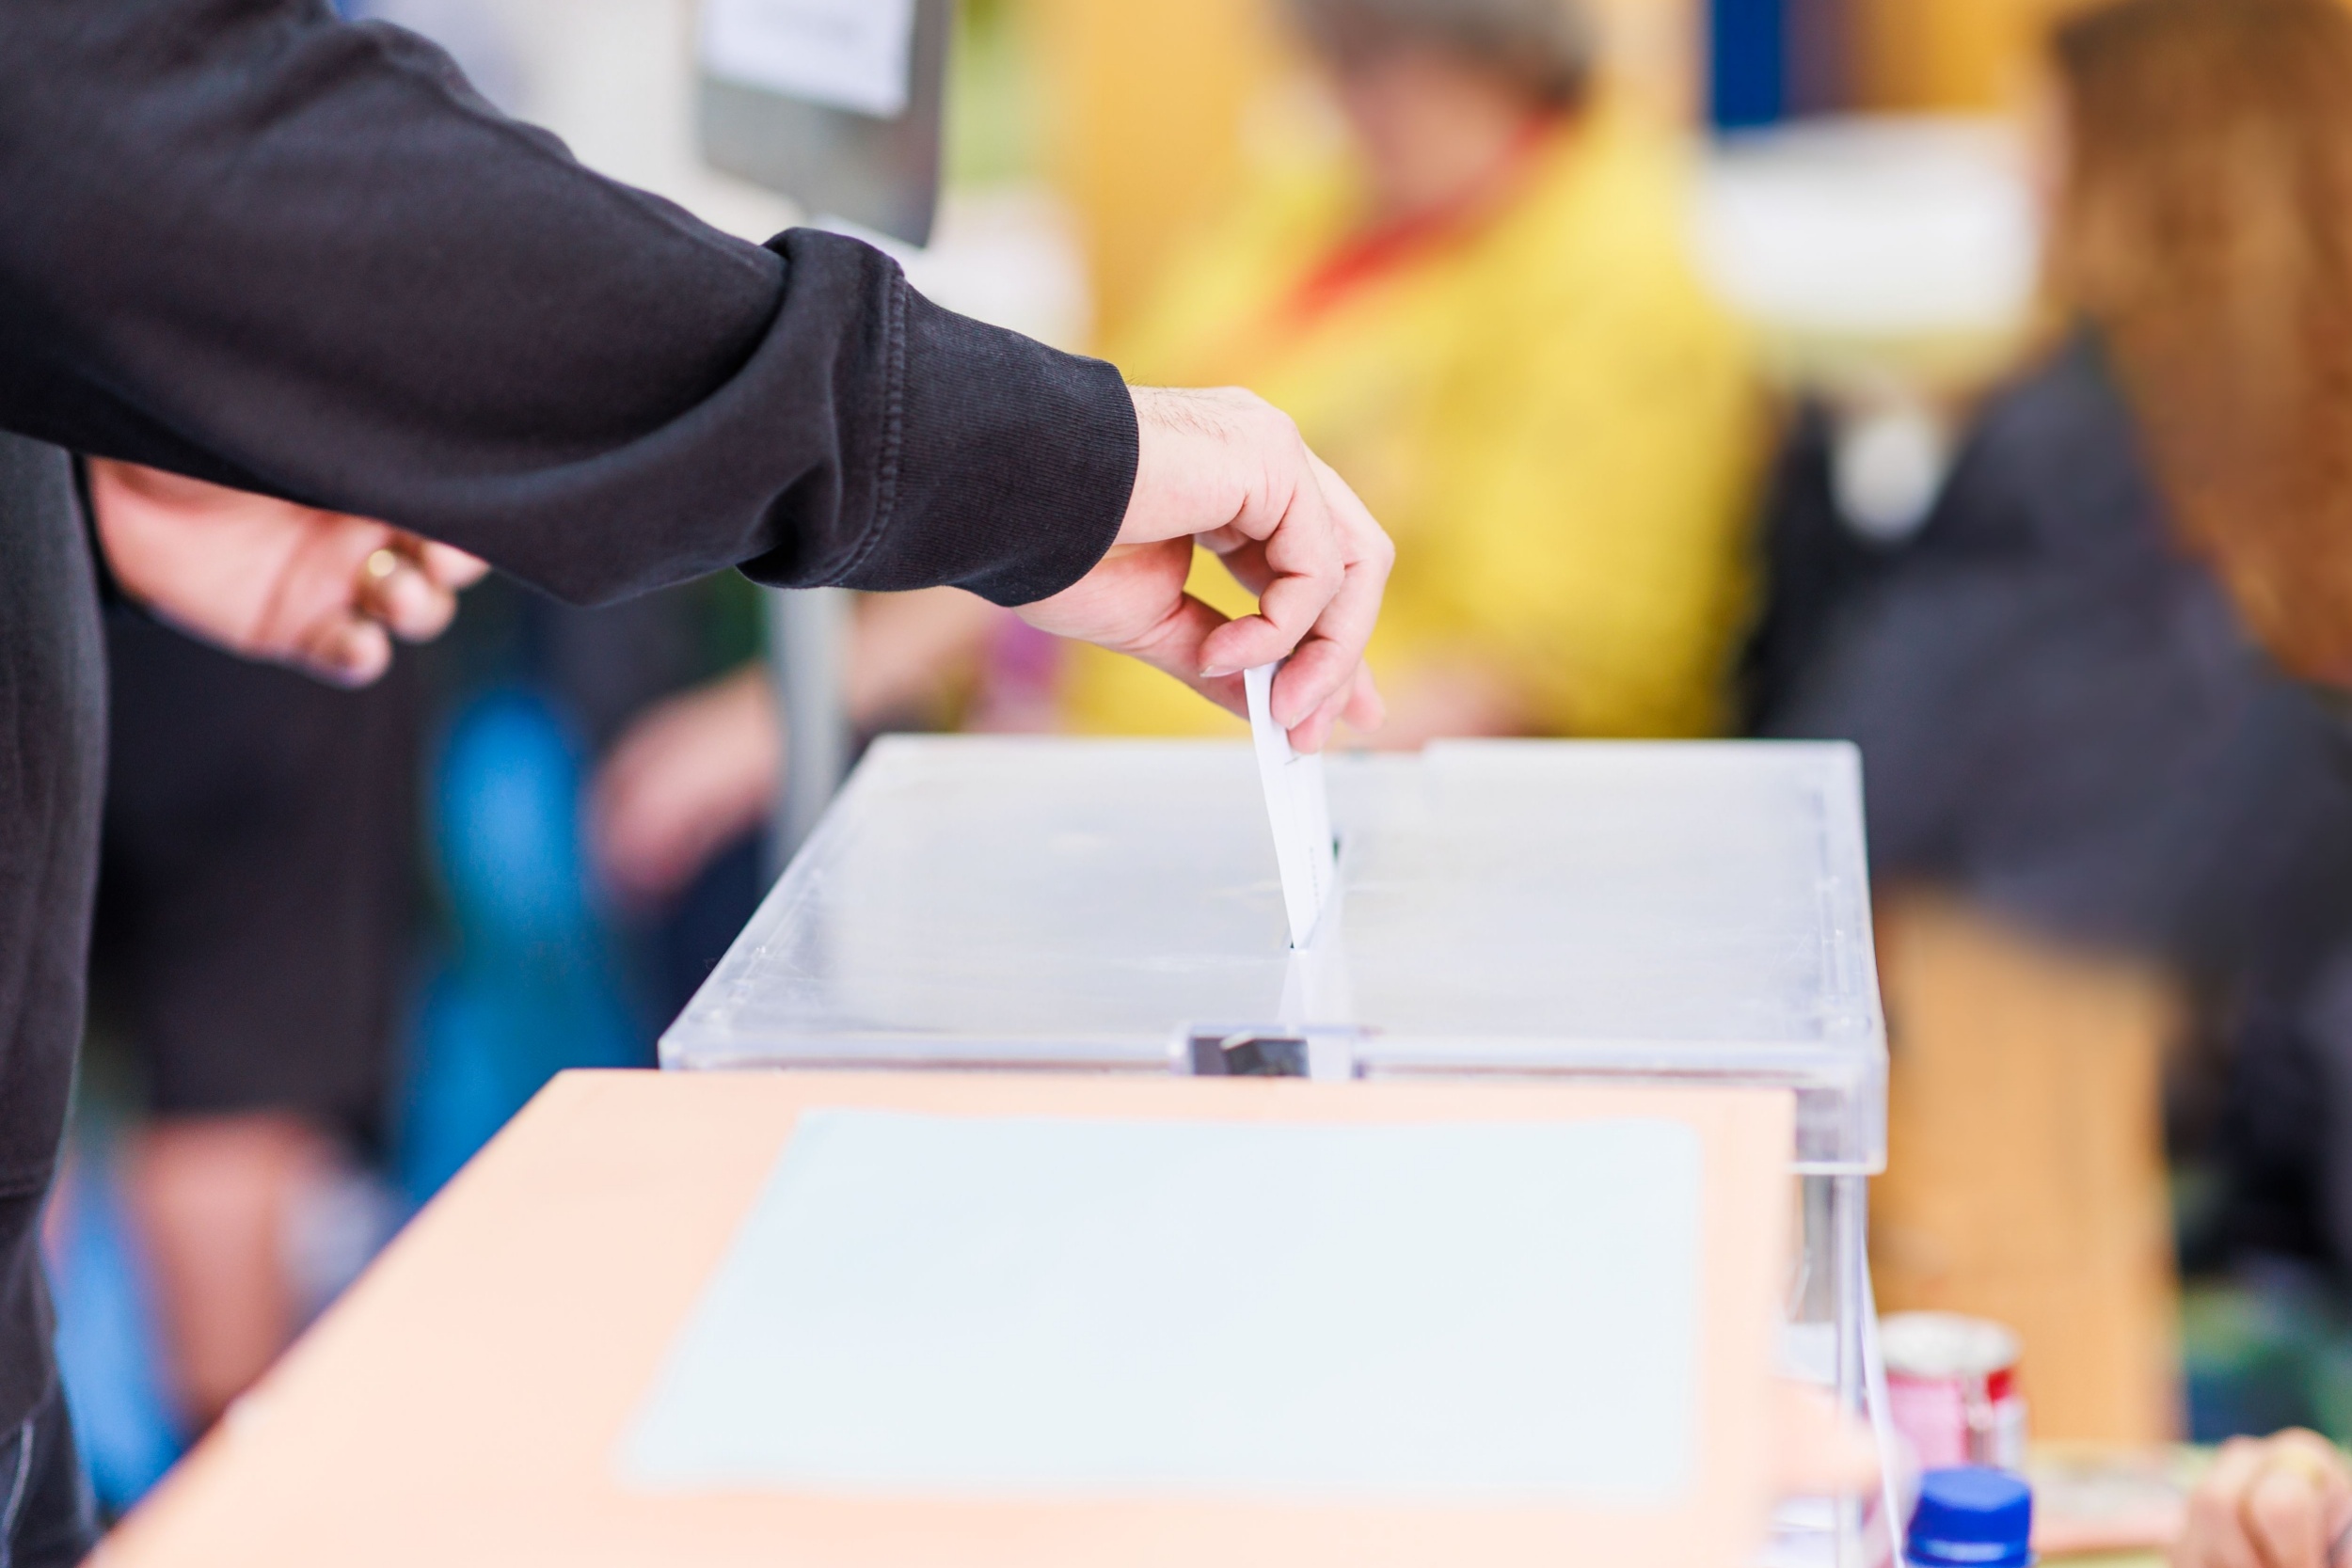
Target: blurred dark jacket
[2059, 715]
[2062, 720]
[53, 741]
[256, 909]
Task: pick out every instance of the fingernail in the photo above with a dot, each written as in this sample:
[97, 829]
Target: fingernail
[1217, 673]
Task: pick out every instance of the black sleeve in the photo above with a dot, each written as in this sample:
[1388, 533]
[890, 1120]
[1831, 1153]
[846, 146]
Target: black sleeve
[244, 240]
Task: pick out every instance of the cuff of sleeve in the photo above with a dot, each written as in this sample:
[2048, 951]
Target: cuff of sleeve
[1012, 468]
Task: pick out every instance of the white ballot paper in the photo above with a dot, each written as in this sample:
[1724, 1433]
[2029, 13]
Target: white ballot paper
[853, 54]
[1300, 808]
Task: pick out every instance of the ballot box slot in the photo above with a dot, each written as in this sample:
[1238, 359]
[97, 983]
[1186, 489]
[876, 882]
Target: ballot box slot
[1322, 1054]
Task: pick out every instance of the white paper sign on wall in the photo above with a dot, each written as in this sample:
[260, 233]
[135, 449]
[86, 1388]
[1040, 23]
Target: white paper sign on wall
[851, 54]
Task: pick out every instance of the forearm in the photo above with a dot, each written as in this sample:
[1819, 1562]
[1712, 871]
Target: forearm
[245, 241]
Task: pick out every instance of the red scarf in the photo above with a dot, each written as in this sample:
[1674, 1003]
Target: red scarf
[1378, 252]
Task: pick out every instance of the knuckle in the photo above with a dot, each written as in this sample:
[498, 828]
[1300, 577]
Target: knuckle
[1277, 423]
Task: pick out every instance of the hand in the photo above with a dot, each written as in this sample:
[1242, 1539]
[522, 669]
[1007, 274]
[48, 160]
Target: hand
[2281, 1503]
[1229, 471]
[690, 777]
[321, 591]
[696, 773]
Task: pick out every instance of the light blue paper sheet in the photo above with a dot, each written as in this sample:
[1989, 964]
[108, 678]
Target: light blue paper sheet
[1473, 1314]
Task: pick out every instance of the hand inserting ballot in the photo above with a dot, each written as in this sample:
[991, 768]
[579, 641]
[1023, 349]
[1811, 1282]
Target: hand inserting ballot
[321, 591]
[1229, 471]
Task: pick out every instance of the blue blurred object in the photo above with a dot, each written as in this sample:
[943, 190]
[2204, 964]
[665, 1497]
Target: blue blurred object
[526, 988]
[1972, 1517]
[109, 1350]
[1749, 58]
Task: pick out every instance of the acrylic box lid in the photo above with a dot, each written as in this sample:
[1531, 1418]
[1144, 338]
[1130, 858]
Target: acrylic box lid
[1628, 912]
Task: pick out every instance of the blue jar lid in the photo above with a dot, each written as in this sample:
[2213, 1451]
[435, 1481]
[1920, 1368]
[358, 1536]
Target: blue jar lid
[1972, 1518]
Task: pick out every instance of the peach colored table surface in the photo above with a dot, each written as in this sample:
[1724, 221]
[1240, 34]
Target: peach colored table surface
[463, 1403]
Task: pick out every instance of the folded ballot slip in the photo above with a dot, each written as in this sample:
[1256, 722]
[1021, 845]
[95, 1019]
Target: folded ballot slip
[1300, 810]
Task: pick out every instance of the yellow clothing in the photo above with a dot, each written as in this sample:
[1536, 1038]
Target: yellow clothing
[1554, 420]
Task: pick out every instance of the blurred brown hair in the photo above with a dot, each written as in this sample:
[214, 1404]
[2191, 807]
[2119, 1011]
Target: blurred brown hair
[2206, 228]
[1546, 46]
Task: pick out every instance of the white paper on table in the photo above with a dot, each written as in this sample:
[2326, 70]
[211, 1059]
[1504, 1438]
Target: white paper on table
[1050, 1307]
[854, 54]
[1300, 809]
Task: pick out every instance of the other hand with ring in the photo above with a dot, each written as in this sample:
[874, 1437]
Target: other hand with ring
[322, 591]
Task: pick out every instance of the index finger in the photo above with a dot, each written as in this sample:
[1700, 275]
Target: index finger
[1328, 661]
[1302, 569]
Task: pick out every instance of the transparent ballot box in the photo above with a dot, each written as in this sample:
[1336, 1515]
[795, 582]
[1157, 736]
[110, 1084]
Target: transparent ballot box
[1630, 913]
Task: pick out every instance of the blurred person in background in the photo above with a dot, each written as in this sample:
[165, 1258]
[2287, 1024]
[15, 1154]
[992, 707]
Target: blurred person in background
[2080, 690]
[691, 780]
[1479, 305]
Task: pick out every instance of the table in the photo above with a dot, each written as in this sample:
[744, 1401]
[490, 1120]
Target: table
[463, 1404]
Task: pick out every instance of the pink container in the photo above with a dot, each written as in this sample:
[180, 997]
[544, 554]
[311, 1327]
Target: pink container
[1951, 1389]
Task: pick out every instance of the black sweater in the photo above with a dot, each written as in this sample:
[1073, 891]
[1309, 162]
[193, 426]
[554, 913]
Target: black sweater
[240, 238]
[244, 239]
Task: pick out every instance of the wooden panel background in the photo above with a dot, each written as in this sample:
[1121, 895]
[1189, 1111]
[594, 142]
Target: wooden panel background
[2027, 1173]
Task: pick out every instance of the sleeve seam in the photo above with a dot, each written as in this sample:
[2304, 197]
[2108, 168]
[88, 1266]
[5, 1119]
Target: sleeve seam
[894, 429]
